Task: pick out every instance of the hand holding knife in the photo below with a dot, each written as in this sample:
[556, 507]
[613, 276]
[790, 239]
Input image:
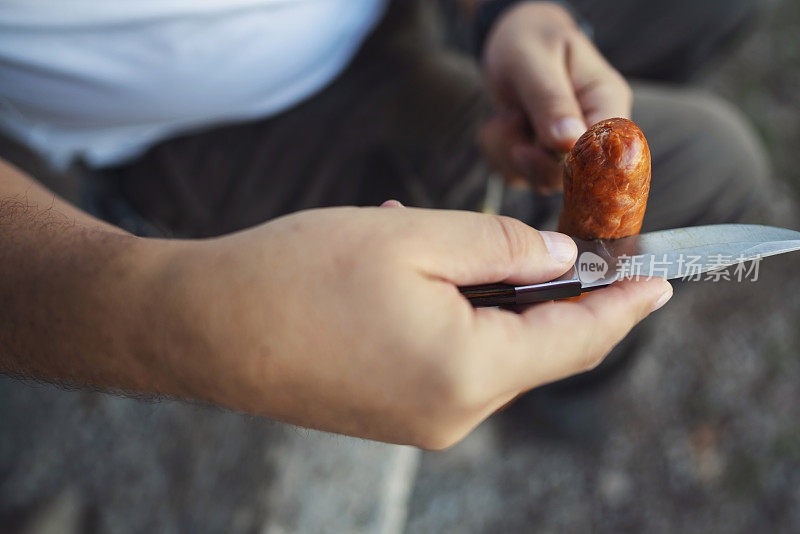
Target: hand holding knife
[663, 254]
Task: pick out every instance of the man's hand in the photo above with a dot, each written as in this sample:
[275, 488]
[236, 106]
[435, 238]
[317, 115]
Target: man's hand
[350, 320]
[549, 83]
[343, 319]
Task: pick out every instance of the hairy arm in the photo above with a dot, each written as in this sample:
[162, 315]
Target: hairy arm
[75, 292]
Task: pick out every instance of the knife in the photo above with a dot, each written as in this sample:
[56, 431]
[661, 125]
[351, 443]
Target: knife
[678, 253]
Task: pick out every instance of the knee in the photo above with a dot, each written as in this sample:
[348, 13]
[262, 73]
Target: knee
[708, 165]
[729, 154]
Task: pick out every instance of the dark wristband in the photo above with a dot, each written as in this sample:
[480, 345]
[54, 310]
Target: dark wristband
[490, 10]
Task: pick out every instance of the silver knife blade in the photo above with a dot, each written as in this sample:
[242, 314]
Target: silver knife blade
[680, 252]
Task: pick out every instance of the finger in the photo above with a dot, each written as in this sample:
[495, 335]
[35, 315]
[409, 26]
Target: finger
[467, 248]
[392, 204]
[545, 165]
[549, 99]
[506, 140]
[497, 139]
[551, 341]
[601, 91]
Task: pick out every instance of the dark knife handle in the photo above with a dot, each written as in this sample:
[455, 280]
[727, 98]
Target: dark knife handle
[490, 295]
[566, 286]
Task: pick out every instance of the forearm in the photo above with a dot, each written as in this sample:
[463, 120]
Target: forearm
[76, 294]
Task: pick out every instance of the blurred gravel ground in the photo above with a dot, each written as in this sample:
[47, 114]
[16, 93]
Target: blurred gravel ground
[703, 433]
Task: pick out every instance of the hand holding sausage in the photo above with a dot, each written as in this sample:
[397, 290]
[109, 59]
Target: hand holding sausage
[549, 83]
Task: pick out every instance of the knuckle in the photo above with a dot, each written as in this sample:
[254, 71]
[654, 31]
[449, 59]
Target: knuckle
[556, 102]
[453, 387]
[439, 431]
[592, 340]
[552, 39]
[601, 337]
[622, 89]
[438, 426]
[592, 359]
[435, 440]
[625, 87]
[444, 370]
[587, 341]
[592, 350]
[452, 384]
[514, 236]
[625, 91]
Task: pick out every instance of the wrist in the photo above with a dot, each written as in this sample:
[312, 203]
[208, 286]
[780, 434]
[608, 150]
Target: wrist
[174, 316]
[210, 318]
[141, 279]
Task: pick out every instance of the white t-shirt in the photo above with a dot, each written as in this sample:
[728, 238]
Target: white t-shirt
[105, 79]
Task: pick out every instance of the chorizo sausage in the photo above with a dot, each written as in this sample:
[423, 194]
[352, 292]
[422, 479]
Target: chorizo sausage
[606, 182]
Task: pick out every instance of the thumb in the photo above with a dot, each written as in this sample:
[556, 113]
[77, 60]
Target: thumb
[467, 248]
[549, 99]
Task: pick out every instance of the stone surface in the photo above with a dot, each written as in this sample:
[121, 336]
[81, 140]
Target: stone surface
[99, 463]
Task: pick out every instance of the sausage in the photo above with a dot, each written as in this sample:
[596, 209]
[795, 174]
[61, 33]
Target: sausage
[606, 182]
